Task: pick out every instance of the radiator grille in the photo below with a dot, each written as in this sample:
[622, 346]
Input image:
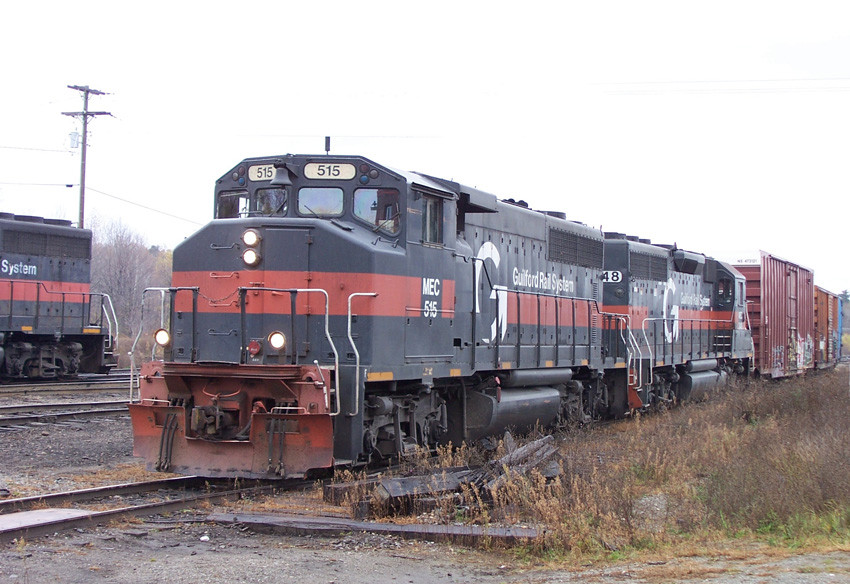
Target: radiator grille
[648, 267]
[40, 244]
[570, 248]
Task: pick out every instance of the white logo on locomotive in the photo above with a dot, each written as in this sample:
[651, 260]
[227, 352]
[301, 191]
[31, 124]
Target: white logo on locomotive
[669, 334]
[489, 251]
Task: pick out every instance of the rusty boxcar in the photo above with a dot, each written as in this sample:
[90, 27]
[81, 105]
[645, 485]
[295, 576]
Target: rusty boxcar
[827, 328]
[781, 310]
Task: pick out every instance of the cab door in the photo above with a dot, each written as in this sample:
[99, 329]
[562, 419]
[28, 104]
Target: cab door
[430, 297]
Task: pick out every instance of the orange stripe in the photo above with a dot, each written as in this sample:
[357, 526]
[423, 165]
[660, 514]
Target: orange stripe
[397, 295]
[30, 290]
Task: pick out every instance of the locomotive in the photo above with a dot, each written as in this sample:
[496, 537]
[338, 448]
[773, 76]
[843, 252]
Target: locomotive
[51, 324]
[340, 312]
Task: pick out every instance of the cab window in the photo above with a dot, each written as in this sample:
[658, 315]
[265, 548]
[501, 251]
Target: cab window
[271, 201]
[725, 292]
[379, 208]
[232, 205]
[432, 220]
[320, 202]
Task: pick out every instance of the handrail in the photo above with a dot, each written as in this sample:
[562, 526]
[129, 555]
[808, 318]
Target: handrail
[109, 320]
[356, 355]
[630, 342]
[162, 292]
[85, 299]
[591, 303]
[664, 320]
[292, 292]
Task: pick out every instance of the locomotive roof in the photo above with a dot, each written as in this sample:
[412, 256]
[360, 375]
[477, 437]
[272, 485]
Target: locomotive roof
[33, 224]
[474, 199]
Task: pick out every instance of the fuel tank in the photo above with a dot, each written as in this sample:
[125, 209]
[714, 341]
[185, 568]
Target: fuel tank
[490, 415]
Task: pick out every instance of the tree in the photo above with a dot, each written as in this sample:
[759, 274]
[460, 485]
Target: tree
[122, 267]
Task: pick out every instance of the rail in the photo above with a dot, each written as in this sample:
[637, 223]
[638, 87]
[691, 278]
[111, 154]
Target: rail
[293, 292]
[715, 341]
[631, 346]
[46, 300]
[163, 323]
[356, 353]
[167, 307]
[501, 295]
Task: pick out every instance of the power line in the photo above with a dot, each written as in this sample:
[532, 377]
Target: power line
[28, 184]
[35, 149]
[145, 207]
[730, 86]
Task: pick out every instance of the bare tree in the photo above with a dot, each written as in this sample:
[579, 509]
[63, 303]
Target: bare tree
[123, 266]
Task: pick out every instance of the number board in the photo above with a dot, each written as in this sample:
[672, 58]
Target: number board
[329, 170]
[612, 276]
[261, 173]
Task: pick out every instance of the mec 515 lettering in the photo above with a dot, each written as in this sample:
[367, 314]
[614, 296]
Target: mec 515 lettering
[430, 288]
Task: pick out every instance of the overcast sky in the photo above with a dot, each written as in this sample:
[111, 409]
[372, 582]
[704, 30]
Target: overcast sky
[723, 127]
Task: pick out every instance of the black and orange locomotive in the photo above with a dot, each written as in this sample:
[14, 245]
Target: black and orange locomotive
[337, 311]
[51, 324]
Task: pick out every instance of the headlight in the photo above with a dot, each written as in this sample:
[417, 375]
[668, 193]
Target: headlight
[162, 337]
[277, 340]
[251, 238]
[251, 257]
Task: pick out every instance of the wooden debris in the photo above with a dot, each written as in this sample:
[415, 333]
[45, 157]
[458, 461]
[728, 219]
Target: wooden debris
[402, 494]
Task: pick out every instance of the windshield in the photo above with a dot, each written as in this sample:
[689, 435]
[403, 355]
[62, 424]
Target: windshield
[271, 201]
[320, 201]
[235, 204]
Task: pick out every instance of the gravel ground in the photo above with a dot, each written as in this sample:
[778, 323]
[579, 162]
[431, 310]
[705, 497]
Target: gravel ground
[53, 458]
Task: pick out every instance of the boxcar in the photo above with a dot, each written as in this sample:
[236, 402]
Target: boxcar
[781, 310]
[827, 328]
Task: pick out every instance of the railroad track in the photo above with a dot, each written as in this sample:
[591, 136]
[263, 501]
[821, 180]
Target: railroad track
[27, 518]
[22, 414]
[86, 384]
[45, 514]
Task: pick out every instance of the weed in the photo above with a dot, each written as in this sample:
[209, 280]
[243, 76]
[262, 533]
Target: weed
[766, 462]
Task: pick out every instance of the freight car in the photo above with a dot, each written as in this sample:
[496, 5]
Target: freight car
[337, 311]
[51, 324]
[827, 329]
[781, 309]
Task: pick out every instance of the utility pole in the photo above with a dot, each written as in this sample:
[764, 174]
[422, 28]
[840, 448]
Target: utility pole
[85, 114]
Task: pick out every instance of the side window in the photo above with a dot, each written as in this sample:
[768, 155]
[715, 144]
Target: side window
[725, 290]
[432, 220]
[232, 205]
[379, 208]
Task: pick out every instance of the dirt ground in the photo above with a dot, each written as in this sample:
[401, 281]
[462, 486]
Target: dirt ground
[53, 458]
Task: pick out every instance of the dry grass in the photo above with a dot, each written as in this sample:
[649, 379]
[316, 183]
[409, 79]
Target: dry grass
[123, 473]
[765, 462]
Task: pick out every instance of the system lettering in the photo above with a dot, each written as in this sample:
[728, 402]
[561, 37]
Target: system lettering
[543, 281]
[18, 269]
